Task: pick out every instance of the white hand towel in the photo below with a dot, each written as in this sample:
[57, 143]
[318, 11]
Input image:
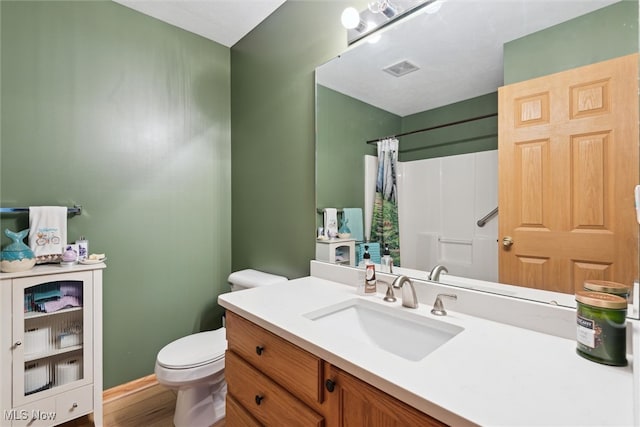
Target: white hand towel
[47, 232]
[331, 222]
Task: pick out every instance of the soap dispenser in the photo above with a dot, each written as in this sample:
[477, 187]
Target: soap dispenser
[370, 273]
[387, 262]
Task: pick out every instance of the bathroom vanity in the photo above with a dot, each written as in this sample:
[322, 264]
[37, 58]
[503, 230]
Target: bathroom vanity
[296, 350]
[51, 353]
[274, 382]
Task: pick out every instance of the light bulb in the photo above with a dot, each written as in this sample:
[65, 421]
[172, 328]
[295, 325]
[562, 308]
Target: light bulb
[350, 18]
[433, 7]
[374, 38]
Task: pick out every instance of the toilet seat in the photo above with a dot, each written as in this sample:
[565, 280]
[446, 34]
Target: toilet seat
[194, 365]
[194, 350]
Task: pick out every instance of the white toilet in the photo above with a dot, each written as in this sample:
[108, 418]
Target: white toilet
[194, 365]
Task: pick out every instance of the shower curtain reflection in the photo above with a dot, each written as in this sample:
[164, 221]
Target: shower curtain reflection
[384, 227]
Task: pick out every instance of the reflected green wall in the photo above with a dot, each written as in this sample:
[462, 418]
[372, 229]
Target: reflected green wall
[340, 163]
[604, 34]
[129, 117]
[471, 137]
[345, 123]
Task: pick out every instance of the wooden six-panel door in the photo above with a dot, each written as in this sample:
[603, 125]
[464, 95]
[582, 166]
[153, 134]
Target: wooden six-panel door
[568, 165]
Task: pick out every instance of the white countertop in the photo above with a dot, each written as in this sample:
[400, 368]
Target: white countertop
[490, 374]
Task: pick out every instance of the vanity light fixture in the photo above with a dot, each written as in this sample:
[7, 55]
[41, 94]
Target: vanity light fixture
[351, 20]
[385, 7]
[434, 7]
[374, 38]
[379, 14]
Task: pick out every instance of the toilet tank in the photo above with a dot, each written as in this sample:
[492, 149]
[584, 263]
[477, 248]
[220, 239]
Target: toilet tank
[245, 279]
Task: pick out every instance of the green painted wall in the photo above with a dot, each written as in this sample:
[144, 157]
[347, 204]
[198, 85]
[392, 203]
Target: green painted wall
[129, 117]
[273, 135]
[343, 126]
[471, 137]
[604, 34]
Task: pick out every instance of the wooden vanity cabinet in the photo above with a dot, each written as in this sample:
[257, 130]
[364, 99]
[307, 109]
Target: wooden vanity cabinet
[360, 404]
[273, 382]
[288, 365]
[237, 416]
[264, 399]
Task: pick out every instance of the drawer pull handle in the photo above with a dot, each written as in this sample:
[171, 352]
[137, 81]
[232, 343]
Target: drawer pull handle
[18, 343]
[259, 399]
[259, 350]
[75, 405]
[330, 385]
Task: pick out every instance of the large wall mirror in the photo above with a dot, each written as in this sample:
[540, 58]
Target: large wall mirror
[437, 72]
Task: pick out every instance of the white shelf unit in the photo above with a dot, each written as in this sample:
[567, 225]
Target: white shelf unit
[51, 355]
[337, 251]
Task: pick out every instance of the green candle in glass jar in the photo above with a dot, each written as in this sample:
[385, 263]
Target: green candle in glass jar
[608, 287]
[601, 328]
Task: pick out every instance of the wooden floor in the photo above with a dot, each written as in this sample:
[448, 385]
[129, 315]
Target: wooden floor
[151, 405]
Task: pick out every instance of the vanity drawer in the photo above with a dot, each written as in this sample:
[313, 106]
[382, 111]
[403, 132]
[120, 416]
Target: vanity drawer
[52, 410]
[41, 413]
[237, 416]
[265, 400]
[290, 366]
[74, 403]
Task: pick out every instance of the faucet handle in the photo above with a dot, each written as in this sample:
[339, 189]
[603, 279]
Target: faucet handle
[438, 307]
[390, 296]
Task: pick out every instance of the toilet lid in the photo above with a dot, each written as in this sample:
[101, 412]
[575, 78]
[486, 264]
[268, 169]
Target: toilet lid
[194, 350]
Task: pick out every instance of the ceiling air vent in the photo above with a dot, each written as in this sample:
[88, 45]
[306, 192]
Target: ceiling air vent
[401, 68]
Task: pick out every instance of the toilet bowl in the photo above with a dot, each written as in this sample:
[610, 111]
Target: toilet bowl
[194, 365]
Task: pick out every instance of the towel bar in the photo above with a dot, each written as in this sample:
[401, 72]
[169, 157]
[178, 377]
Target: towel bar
[75, 210]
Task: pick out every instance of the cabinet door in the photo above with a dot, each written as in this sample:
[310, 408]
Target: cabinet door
[52, 335]
[361, 404]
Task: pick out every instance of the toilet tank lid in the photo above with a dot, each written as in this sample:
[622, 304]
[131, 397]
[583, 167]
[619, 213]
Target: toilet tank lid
[252, 278]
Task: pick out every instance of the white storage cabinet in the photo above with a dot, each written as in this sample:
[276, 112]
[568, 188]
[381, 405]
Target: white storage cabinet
[51, 353]
[337, 251]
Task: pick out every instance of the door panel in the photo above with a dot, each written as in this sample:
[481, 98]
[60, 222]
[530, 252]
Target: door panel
[568, 165]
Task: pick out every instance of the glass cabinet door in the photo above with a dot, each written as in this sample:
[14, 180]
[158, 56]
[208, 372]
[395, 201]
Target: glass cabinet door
[52, 327]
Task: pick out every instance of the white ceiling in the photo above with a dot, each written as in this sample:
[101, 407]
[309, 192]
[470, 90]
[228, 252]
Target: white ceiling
[223, 21]
[458, 49]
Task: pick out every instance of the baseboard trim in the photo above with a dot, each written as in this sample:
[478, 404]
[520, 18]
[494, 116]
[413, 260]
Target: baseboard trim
[126, 389]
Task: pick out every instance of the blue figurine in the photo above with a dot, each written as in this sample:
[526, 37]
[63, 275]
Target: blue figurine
[16, 256]
[344, 231]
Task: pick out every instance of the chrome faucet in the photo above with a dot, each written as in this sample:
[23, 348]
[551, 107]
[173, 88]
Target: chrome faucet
[409, 298]
[435, 272]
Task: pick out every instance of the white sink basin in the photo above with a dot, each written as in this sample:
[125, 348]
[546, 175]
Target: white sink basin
[391, 329]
